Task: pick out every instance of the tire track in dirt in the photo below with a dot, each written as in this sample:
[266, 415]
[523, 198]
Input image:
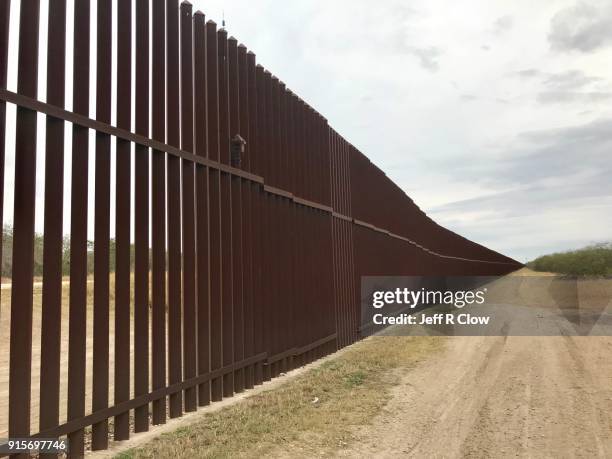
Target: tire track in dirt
[499, 397]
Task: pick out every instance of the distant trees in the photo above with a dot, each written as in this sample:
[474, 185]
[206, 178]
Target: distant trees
[594, 260]
[7, 254]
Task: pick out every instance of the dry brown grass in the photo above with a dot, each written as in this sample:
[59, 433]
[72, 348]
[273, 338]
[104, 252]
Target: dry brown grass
[349, 391]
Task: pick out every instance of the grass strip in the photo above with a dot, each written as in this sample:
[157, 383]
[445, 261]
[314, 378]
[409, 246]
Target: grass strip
[314, 414]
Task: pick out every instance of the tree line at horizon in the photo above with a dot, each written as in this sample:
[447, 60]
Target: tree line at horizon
[7, 254]
[593, 260]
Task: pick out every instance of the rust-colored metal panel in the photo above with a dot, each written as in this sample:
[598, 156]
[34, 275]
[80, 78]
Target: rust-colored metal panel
[5, 9]
[246, 68]
[53, 221]
[78, 229]
[285, 251]
[123, 175]
[257, 82]
[99, 431]
[173, 203]
[188, 206]
[291, 229]
[202, 202]
[236, 216]
[266, 223]
[158, 218]
[226, 216]
[20, 364]
[275, 287]
[141, 220]
[214, 178]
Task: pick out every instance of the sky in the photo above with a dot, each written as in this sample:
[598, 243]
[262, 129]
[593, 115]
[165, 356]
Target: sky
[493, 116]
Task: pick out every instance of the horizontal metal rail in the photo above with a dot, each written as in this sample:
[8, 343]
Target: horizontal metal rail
[98, 416]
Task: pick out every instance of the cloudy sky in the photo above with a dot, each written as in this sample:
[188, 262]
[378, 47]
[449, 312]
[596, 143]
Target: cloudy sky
[494, 116]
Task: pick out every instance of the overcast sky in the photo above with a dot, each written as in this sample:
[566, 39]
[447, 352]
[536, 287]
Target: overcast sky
[494, 116]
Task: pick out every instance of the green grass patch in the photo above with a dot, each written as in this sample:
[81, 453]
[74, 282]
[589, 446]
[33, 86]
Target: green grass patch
[356, 379]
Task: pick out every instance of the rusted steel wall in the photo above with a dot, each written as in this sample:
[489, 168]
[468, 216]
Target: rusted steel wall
[243, 266]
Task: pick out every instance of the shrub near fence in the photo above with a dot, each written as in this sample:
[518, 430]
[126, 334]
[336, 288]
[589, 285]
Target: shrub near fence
[242, 270]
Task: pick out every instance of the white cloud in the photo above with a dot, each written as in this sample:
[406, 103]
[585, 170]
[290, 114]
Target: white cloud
[584, 26]
[503, 24]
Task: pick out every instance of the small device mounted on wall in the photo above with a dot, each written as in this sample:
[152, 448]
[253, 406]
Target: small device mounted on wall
[237, 146]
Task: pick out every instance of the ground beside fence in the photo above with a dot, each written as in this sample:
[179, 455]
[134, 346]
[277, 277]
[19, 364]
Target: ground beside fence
[422, 397]
[315, 413]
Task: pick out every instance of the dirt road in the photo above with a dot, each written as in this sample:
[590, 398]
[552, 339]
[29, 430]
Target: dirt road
[500, 397]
